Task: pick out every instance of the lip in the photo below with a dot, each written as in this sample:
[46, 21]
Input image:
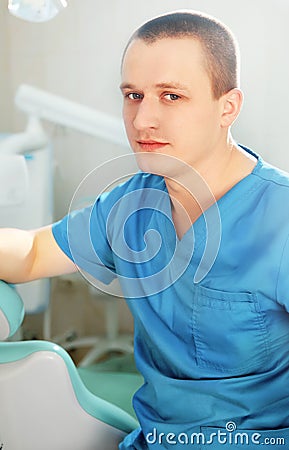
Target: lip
[150, 145]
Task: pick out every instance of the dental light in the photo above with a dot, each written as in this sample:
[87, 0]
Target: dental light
[39, 104]
[36, 10]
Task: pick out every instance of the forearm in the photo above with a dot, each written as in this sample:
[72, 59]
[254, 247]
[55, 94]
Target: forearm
[30, 255]
[17, 253]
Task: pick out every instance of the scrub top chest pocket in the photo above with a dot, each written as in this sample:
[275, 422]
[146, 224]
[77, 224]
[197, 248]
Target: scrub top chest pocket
[229, 331]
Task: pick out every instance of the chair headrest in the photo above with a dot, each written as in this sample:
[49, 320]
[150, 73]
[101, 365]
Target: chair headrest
[11, 310]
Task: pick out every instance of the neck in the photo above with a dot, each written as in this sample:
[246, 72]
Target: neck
[200, 186]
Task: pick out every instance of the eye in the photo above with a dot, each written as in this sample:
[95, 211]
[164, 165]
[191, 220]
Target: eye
[171, 97]
[134, 96]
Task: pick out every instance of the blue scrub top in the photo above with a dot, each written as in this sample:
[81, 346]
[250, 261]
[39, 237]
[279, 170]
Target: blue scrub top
[213, 351]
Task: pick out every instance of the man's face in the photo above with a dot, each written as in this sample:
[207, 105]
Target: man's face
[168, 102]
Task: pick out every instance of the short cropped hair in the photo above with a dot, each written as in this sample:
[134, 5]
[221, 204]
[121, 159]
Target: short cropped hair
[221, 52]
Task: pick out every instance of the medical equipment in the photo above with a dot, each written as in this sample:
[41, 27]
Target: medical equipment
[26, 199]
[39, 104]
[44, 402]
[36, 10]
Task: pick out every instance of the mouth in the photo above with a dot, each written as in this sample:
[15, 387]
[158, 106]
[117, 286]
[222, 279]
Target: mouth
[150, 145]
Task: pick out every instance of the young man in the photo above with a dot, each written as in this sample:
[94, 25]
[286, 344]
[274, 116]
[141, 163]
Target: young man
[213, 348]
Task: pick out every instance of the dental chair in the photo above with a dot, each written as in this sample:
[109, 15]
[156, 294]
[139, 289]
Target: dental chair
[44, 404]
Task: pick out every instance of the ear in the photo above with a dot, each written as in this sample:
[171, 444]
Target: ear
[231, 105]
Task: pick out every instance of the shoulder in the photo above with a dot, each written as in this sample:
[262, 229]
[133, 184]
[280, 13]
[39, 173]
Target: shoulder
[272, 194]
[273, 176]
[267, 172]
[275, 181]
[274, 184]
[268, 198]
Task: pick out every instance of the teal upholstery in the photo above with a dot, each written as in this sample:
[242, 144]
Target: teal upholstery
[103, 396]
[11, 307]
[97, 407]
[106, 385]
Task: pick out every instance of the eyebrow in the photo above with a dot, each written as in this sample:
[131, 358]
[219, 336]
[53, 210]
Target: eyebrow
[165, 85]
[126, 86]
[172, 85]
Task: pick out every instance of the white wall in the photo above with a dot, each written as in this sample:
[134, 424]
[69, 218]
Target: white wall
[5, 94]
[78, 54]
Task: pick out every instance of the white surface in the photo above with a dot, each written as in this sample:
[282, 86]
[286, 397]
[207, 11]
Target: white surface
[13, 180]
[39, 409]
[35, 211]
[59, 110]
[33, 138]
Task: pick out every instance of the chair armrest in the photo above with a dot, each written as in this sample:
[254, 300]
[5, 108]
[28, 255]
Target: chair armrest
[11, 310]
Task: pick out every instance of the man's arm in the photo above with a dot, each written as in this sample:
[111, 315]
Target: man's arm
[29, 255]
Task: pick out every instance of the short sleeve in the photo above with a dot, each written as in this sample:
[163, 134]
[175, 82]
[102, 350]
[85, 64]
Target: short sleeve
[81, 235]
[283, 277]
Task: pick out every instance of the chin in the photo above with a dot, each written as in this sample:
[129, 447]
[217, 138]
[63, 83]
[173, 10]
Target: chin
[160, 164]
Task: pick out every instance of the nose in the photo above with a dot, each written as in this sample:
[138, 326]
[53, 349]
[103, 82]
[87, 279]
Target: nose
[147, 114]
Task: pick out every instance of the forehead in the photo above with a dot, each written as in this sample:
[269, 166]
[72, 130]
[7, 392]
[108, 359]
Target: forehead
[179, 59]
